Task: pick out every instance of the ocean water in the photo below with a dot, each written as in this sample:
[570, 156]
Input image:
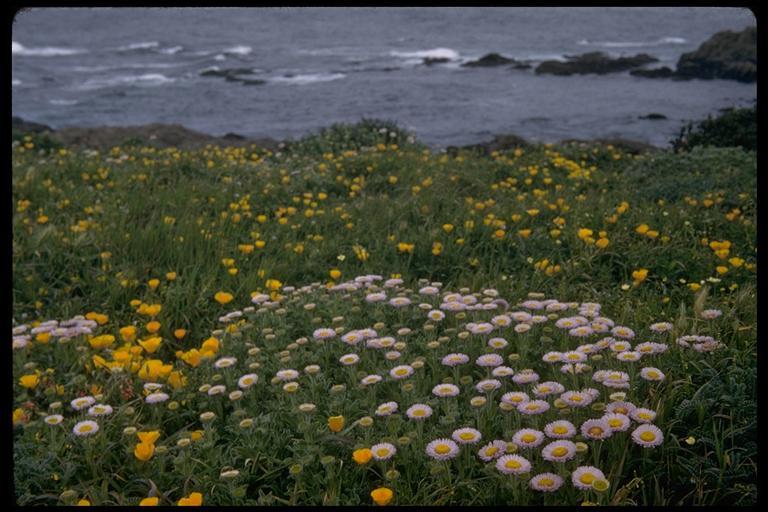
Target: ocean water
[127, 66]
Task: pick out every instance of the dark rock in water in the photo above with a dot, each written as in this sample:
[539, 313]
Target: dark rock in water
[499, 143]
[594, 63]
[653, 116]
[20, 125]
[224, 73]
[233, 75]
[521, 65]
[157, 135]
[429, 61]
[726, 54]
[489, 60]
[663, 72]
[633, 147]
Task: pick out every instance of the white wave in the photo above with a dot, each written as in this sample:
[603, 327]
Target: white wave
[633, 44]
[238, 50]
[309, 78]
[48, 51]
[148, 79]
[63, 102]
[220, 57]
[435, 53]
[15, 82]
[139, 46]
[173, 50]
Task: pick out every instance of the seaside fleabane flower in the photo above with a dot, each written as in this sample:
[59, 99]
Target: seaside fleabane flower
[546, 482]
[513, 464]
[382, 496]
[559, 451]
[85, 428]
[583, 476]
[528, 438]
[648, 436]
[383, 451]
[466, 436]
[492, 450]
[442, 449]
[419, 412]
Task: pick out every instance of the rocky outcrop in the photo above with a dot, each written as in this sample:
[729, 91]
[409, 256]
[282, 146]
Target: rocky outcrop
[499, 143]
[663, 72]
[594, 63]
[21, 126]
[233, 75]
[653, 116]
[431, 61]
[489, 60]
[156, 135]
[727, 54]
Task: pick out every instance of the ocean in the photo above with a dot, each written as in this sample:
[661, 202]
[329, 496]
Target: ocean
[311, 67]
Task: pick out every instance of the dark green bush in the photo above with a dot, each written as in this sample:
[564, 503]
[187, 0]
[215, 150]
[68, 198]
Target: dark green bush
[737, 127]
[348, 137]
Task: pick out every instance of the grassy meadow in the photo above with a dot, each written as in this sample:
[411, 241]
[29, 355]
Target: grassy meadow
[234, 326]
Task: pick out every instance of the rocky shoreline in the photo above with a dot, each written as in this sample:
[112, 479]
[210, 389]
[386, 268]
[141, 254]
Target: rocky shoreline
[727, 55]
[161, 136]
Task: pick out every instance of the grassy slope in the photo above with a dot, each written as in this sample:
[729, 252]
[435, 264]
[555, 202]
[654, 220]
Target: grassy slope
[161, 211]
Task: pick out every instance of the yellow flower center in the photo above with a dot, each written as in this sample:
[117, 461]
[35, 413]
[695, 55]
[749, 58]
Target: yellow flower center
[532, 407]
[587, 478]
[401, 371]
[248, 381]
[545, 389]
[648, 436]
[653, 375]
[576, 398]
[491, 451]
[644, 415]
[418, 412]
[546, 482]
[467, 436]
[442, 449]
[382, 452]
[560, 451]
[615, 422]
[620, 410]
[88, 428]
[596, 431]
[560, 430]
[528, 438]
[513, 464]
[516, 399]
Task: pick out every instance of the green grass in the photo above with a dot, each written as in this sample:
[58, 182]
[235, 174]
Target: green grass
[145, 212]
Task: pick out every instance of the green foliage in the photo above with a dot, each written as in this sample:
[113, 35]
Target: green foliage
[368, 133]
[734, 128]
[91, 229]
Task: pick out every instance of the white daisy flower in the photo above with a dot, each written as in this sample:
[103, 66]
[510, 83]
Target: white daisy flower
[419, 412]
[513, 465]
[85, 428]
[442, 449]
[546, 482]
[559, 451]
[528, 438]
[583, 476]
[492, 450]
[383, 451]
[648, 436]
